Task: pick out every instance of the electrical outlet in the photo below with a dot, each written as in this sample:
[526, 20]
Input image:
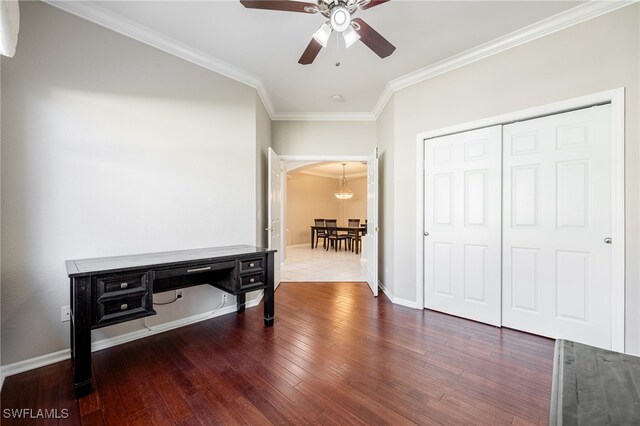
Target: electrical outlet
[179, 294]
[65, 314]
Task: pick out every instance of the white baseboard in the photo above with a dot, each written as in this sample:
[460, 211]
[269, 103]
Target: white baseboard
[98, 345]
[385, 290]
[397, 300]
[408, 303]
[32, 363]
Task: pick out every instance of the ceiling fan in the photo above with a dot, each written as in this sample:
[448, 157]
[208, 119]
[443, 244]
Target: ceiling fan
[340, 20]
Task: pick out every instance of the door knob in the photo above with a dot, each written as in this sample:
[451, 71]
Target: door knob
[607, 240]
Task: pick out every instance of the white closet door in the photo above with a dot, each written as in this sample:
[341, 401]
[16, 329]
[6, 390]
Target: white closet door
[556, 217]
[462, 224]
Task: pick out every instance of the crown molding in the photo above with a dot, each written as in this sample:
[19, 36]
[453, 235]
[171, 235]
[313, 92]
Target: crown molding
[98, 15]
[558, 22]
[266, 99]
[563, 20]
[386, 95]
[324, 116]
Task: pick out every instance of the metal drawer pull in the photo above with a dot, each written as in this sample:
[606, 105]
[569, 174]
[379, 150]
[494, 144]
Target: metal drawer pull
[251, 265]
[124, 307]
[252, 280]
[607, 240]
[124, 285]
[206, 268]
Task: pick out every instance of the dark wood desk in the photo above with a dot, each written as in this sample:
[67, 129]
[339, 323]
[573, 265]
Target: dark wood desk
[359, 231]
[593, 386]
[111, 290]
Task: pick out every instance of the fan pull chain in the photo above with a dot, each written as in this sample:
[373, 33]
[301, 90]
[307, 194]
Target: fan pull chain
[337, 50]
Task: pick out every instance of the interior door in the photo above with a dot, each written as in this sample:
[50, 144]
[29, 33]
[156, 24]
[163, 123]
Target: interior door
[372, 222]
[274, 210]
[557, 218]
[462, 224]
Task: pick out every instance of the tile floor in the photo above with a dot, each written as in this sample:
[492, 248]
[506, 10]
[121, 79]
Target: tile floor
[306, 264]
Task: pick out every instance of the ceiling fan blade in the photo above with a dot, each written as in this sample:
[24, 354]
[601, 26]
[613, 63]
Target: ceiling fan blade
[310, 53]
[373, 3]
[284, 5]
[373, 39]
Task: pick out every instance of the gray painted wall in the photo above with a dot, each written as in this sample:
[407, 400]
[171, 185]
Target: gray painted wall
[594, 56]
[324, 137]
[386, 170]
[263, 142]
[112, 147]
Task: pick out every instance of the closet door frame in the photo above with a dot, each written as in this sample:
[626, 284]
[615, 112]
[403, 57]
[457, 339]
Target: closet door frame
[616, 99]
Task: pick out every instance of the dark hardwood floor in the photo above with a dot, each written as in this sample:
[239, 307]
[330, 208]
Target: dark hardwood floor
[335, 356]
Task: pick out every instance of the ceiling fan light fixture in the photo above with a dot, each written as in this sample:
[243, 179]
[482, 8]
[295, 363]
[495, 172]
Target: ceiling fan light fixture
[350, 36]
[322, 35]
[340, 18]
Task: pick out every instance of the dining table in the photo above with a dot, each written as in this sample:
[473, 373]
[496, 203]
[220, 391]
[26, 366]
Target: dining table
[358, 230]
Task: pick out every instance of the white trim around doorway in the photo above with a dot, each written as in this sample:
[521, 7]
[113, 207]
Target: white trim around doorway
[616, 98]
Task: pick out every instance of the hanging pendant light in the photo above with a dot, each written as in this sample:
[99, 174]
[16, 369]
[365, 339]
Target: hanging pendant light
[345, 193]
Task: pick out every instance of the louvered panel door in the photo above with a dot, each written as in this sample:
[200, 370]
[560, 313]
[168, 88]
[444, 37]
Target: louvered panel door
[462, 224]
[556, 218]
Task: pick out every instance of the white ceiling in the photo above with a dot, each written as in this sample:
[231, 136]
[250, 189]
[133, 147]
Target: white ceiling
[266, 45]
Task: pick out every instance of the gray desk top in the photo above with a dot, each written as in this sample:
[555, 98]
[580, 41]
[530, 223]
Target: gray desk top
[593, 386]
[82, 267]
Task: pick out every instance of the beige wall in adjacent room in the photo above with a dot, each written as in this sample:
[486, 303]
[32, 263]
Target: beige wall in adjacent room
[597, 55]
[112, 147]
[310, 197]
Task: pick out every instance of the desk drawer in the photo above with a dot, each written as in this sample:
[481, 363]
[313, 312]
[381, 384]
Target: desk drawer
[128, 306]
[252, 281]
[194, 269]
[119, 284]
[251, 265]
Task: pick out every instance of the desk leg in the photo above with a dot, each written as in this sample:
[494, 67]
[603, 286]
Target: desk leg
[269, 305]
[81, 335]
[313, 234]
[71, 331]
[241, 301]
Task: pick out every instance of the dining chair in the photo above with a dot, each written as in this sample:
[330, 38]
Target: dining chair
[333, 236]
[320, 233]
[353, 235]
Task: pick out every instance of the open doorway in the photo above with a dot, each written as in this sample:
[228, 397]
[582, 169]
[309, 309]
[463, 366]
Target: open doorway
[319, 194]
[360, 266]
